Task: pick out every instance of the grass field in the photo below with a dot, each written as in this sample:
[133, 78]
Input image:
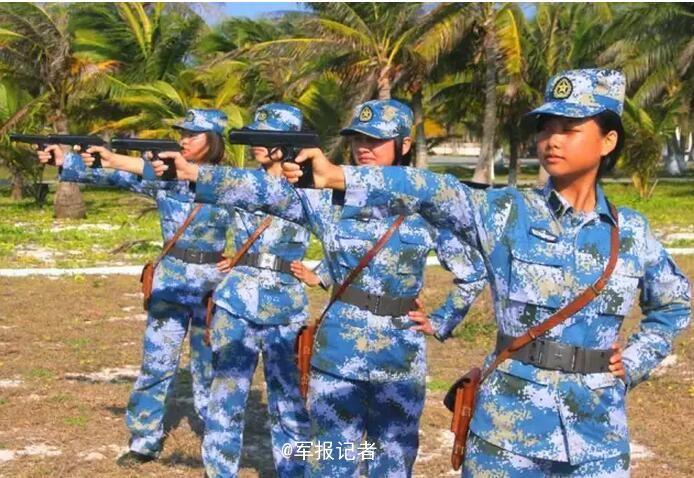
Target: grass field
[123, 228]
[70, 349]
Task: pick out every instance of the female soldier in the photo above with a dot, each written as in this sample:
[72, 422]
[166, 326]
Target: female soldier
[369, 363]
[553, 408]
[260, 308]
[182, 279]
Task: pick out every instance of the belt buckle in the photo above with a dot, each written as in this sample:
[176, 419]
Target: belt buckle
[561, 357]
[374, 302]
[194, 256]
[266, 261]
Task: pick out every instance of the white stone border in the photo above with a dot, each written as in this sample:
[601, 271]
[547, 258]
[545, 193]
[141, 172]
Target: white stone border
[136, 270]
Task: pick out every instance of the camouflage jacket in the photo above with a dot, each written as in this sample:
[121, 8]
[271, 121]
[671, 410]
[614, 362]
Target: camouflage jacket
[539, 255]
[352, 342]
[259, 295]
[174, 280]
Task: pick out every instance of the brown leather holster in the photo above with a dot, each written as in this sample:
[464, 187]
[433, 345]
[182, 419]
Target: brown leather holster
[304, 351]
[146, 281]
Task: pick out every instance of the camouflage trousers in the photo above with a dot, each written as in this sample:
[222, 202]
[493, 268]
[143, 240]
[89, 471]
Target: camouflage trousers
[484, 459]
[167, 325]
[356, 423]
[236, 345]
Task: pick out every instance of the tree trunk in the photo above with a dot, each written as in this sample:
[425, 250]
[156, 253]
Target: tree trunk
[17, 182]
[484, 171]
[513, 163]
[421, 159]
[384, 83]
[68, 202]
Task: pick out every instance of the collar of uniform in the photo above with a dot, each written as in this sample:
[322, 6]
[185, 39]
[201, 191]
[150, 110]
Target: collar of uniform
[556, 202]
[603, 207]
[561, 206]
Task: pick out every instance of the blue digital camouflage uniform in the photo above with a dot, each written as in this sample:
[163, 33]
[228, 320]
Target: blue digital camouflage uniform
[368, 377]
[258, 311]
[178, 290]
[540, 254]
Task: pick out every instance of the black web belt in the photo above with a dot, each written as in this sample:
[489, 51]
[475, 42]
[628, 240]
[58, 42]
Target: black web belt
[378, 304]
[195, 256]
[553, 355]
[266, 261]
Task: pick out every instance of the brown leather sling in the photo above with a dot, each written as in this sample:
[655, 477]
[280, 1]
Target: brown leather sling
[234, 260]
[460, 399]
[305, 338]
[147, 275]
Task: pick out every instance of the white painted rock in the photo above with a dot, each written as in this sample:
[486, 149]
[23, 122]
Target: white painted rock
[94, 456]
[11, 383]
[640, 452]
[668, 362]
[107, 374]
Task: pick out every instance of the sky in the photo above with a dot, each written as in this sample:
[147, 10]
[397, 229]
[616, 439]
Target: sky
[217, 11]
[256, 9]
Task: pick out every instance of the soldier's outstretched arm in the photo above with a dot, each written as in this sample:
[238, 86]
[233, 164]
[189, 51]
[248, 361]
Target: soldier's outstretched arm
[251, 190]
[132, 174]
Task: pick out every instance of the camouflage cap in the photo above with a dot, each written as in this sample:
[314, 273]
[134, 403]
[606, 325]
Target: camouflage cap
[382, 119]
[277, 117]
[204, 120]
[583, 93]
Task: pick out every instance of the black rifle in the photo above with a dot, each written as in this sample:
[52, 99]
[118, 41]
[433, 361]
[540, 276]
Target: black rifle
[155, 146]
[84, 142]
[289, 142]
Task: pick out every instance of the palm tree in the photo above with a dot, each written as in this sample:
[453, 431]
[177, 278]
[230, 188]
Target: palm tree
[494, 63]
[230, 62]
[17, 110]
[40, 57]
[149, 41]
[375, 47]
[156, 106]
[565, 37]
[646, 135]
[655, 49]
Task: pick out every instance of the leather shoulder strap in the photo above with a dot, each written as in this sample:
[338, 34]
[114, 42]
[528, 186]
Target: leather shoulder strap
[171, 242]
[570, 309]
[363, 262]
[251, 239]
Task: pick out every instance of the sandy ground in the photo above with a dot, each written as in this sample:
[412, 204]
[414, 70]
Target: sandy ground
[70, 351]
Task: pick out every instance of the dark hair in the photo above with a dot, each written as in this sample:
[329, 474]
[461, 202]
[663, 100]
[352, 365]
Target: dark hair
[610, 121]
[215, 153]
[607, 121]
[402, 159]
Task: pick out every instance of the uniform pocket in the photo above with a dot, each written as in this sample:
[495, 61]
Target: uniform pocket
[536, 279]
[413, 251]
[353, 244]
